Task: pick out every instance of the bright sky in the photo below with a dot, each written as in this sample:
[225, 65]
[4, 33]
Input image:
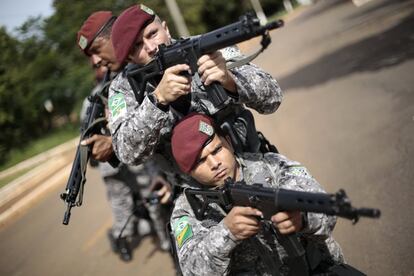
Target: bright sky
[13, 13]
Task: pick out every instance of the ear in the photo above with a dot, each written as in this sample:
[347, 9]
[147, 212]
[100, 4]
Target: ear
[165, 26]
[130, 56]
[228, 143]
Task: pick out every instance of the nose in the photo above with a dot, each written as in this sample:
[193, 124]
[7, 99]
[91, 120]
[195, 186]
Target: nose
[213, 162]
[96, 61]
[151, 47]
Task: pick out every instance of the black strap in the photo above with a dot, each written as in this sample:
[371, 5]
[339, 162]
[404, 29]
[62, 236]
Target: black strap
[297, 262]
[174, 252]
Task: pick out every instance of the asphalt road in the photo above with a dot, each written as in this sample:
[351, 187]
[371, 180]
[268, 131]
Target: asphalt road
[36, 243]
[347, 114]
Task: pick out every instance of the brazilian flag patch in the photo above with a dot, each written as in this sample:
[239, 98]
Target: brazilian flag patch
[117, 105]
[182, 231]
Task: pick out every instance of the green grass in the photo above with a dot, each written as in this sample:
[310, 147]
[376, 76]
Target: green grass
[53, 139]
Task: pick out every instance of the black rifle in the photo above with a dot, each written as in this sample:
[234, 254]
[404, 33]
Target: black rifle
[189, 50]
[94, 123]
[270, 201]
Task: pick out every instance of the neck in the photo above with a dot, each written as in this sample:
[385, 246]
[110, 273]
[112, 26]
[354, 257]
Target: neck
[237, 171]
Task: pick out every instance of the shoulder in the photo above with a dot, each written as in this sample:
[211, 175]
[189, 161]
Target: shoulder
[270, 167]
[181, 207]
[269, 158]
[248, 158]
[254, 168]
[292, 174]
[279, 159]
[287, 166]
[120, 84]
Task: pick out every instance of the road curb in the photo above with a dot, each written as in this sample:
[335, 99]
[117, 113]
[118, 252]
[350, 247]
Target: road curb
[56, 151]
[30, 199]
[53, 160]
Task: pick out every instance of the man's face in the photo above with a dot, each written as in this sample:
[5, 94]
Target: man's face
[100, 71]
[103, 49]
[216, 163]
[146, 45]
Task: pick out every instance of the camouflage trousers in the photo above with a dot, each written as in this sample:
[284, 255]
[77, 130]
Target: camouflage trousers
[125, 186]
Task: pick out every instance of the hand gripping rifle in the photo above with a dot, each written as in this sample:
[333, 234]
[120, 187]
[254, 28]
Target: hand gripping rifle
[189, 50]
[270, 201]
[94, 123]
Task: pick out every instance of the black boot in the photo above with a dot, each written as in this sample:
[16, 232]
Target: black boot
[112, 241]
[124, 249]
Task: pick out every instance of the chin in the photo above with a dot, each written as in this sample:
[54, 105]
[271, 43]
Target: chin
[220, 183]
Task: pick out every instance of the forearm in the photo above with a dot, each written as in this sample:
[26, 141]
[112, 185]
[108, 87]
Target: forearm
[257, 89]
[294, 176]
[318, 226]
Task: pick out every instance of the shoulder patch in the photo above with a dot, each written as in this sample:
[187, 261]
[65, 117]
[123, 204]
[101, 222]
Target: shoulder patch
[83, 42]
[182, 231]
[146, 9]
[117, 105]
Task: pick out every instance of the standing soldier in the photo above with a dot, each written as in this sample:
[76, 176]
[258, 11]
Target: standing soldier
[142, 128]
[125, 184]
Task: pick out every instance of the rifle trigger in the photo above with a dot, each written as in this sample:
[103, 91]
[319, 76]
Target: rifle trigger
[254, 200]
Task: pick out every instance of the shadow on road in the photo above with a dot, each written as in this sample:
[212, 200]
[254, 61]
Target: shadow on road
[387, 49]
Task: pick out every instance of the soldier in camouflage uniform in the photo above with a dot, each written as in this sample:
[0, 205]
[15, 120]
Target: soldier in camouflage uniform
[238, 243]
[125, 185]
[141, 129]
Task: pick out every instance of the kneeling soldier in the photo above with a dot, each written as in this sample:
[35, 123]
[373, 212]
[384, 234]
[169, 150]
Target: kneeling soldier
[239, 242]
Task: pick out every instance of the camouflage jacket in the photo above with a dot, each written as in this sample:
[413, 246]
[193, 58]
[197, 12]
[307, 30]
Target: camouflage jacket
[141, 129]
[207, 247]
[141, 171]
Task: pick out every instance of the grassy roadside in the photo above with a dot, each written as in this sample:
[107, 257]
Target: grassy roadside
[50, 140]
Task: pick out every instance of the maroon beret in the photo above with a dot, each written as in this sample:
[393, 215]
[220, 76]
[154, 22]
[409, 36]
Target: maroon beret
[127, 27]
[189, 138]
[91, 28]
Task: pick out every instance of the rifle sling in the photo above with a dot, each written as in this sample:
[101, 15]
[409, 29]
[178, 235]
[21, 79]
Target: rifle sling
[231, 63]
